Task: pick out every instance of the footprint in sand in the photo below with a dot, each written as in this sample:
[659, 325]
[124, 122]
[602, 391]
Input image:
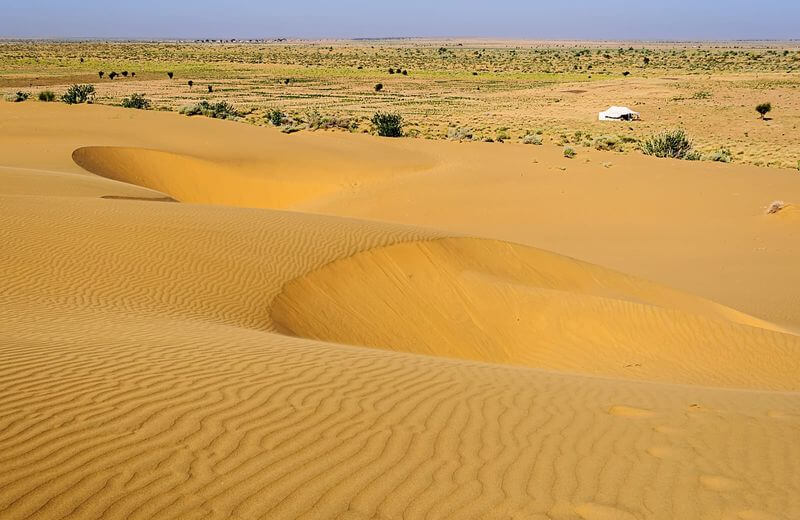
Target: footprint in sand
[630, 411]
[720, 483]
[593, 511]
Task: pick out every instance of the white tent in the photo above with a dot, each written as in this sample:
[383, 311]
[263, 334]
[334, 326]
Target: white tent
[619, 114]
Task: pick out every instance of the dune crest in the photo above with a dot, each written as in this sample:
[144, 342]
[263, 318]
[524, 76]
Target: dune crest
[498, 302]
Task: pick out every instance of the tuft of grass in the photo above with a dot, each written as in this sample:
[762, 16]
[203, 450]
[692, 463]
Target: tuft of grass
[388, 125]
[137, 101]
[569, 152]
[47, 96]
[722, 155]
[674, 144]
[78, 94]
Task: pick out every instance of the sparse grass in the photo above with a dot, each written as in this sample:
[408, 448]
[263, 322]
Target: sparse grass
[570, 152]
[606, 142]
[47, 96]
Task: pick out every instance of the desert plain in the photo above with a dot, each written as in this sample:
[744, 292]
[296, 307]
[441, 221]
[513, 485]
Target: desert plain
[229, 318]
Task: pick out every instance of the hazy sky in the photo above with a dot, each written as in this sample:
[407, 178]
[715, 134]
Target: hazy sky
[536, 19]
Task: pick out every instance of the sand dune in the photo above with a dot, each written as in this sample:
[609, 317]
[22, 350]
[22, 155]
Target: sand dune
[186, 360]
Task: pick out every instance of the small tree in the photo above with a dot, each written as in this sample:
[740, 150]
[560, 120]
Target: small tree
[133, 74]
[125, 73]
[191, 84]
[764, 109]
[101, 74]
[170, 75]
[388, 125]
[210, 89]
[378, 87]
[113, 75]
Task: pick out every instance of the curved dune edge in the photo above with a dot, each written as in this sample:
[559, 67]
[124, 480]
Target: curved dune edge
[272, 182]
[498, 302]
[191, 179]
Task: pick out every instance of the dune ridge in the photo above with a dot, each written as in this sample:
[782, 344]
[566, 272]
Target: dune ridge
[183, 360]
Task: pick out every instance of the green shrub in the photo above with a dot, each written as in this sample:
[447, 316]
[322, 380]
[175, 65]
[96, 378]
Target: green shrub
[219, 110]
[721, 155]
[388, 125]
[78, 94]
[276, 117]
[18, 97]
[137, 101]
[569, 152]
[674, 144]
[47, 96]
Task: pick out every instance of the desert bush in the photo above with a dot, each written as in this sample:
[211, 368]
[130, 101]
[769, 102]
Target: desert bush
[388, 125]
[170, 75]
[78, 94]
[113, 75]
[502, 135]
[124, 73]
[721, 155]
[378, 87]
[763, 109]
[276, 117]
[674, 144]
[47, 95]
[532, 139]
[290, 129]
[459, 133]
[18, 97]
[101, 74]
[701, 94]
[606, 142]
[569, 152]
[137, 101]
[219, 110]
[391, 71]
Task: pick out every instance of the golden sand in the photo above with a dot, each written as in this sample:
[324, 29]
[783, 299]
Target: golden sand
[339, 326]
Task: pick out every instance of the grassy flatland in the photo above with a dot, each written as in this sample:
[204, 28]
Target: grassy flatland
[493, 90]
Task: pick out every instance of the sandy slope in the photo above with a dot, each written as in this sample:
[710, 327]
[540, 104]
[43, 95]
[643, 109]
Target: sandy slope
[180, 360]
